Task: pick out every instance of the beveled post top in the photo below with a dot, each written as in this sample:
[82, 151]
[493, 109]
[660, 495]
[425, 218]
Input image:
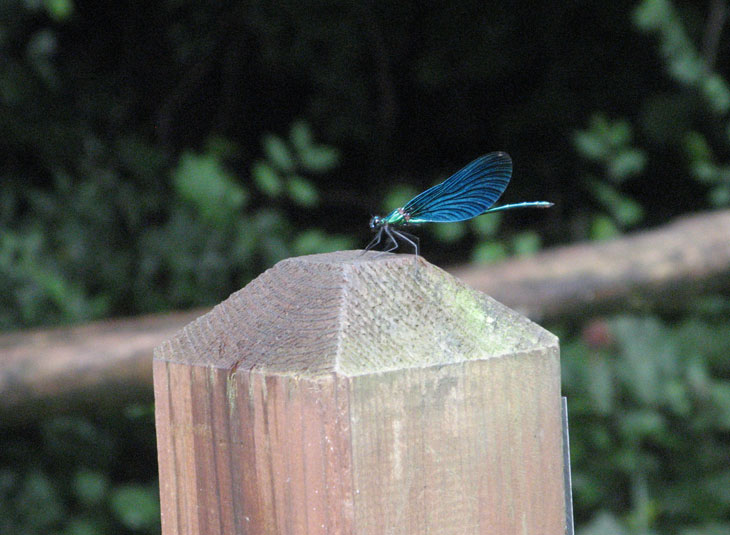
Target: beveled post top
[351, 314]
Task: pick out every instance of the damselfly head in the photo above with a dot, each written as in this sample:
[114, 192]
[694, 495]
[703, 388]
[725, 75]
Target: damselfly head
[376, 221]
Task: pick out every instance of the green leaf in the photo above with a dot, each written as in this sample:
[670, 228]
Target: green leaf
[626, 211]
[705, 171]
[268, 221]
[397, 196]
[40, 501]
[590, 145]
[278, 153]
[601, 386]
[603, 228]
[319, 158]
[696, 147]
[605, 523]
[85, 526]
[302, 192]
[489, 252]
[136, 507]
[720, 396]
[90, 487]
[709, 528]
[301, 136]
[618, 133]
[688, 69]
[649, 15]
[449, 232]
[677, 397]
[267, 179]
[717, 93]
[720, 196]
[316, 241]
[718, 486]
[202, 181]
[648, 359]
[59, 10]
[486, 226]
[274, 248]
[526, 243]
[628, 162]
[640, 424]
[243, 246]
[309, 242]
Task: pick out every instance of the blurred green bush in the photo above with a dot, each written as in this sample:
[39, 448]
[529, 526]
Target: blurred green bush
[649, 404]
[685, 124]
[105, 244]
[160, 155]
[74, 475]
[154, 159]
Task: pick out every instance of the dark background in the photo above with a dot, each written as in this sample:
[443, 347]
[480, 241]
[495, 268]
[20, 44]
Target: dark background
[159, 155]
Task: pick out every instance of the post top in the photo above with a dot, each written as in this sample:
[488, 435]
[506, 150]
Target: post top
[350, 257]
[351, 313]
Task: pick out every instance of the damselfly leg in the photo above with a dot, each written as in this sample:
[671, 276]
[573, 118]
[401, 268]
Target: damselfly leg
[391, 240]
[405, 236]
[375, 241]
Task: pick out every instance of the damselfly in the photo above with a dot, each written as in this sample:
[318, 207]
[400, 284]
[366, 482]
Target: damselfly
[468, 193]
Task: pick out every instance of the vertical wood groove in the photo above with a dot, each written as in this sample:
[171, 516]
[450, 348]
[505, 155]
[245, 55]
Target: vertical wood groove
[215, 449]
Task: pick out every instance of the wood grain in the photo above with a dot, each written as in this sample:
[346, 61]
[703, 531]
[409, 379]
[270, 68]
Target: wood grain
[367, 394]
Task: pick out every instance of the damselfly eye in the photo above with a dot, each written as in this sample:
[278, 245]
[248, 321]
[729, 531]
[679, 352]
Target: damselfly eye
[375, 221]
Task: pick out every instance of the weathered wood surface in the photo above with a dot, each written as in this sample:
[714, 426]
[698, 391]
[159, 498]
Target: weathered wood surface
[661, 267]
[356, 394]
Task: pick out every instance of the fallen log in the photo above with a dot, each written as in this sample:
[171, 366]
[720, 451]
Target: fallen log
[112, 360]
[105, 361]
[648, 270]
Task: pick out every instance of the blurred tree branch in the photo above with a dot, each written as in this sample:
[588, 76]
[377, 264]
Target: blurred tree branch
[654, 269]
[658, 268]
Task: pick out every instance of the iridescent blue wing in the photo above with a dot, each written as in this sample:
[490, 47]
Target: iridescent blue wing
[465, 194]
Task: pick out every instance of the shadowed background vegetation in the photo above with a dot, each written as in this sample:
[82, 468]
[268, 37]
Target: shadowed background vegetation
[159, 155]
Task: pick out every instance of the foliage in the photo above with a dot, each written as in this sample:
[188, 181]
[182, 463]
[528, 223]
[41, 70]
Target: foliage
[694, 72]
[98, 218]
[215, 240]
[211, 234]
[649, 409]
[72, 476]
[128, 190]
[684, 63]
[608, 144]
[691, 119]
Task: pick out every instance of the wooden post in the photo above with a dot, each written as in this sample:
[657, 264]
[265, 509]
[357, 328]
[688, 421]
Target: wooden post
[371, 394]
